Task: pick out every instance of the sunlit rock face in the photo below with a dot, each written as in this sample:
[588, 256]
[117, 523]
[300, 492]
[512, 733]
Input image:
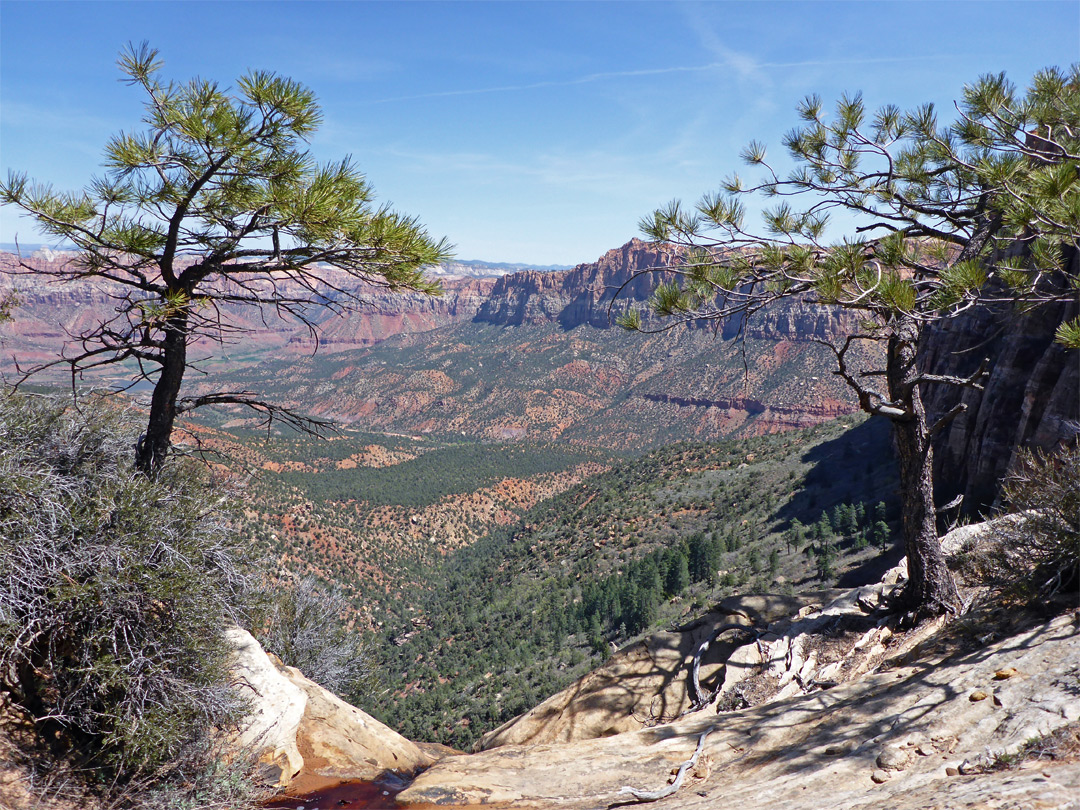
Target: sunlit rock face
[306, 737]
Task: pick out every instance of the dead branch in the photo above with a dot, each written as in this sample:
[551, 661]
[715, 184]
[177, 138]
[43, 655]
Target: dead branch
[640, 796]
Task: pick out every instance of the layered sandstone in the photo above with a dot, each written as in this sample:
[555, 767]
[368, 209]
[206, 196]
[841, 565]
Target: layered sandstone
[306, 737]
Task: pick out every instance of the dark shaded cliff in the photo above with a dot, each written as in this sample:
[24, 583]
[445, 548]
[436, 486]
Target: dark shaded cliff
[1031, 398]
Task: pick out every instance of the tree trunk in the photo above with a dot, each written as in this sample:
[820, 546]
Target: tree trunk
[153, 447]
[930, 590]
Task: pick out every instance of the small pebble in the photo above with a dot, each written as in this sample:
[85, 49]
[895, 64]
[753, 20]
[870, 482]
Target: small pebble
[879, 776]
[952, 771]
[1003, 674]
[893, 759]
[978, 695]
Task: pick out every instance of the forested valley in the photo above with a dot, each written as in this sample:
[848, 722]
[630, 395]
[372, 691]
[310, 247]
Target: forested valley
[482, 591]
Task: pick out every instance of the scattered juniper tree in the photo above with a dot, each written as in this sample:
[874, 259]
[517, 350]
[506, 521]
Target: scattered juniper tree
[217, 205]
[984, 209]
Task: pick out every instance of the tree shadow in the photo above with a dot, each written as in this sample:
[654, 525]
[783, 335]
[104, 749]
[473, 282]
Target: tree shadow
[645, 683]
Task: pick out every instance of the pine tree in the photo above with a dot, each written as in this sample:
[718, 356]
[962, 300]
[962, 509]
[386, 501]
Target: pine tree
[217, 205]
[984, 210]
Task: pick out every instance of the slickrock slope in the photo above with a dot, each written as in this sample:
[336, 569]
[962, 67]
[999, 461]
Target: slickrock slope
[841, 712]
[887, 740]
[306, 737]
[643, 684]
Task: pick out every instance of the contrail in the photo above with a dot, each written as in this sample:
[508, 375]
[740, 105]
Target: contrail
[596, 77]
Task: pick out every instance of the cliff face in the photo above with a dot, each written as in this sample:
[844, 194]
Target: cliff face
[1031, 398]
[586, 295]
[574, 297]
[389, 314]
[50, 314]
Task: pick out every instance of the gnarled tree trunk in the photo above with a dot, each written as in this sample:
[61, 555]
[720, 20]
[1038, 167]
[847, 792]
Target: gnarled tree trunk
[153, 447]
[930, 590]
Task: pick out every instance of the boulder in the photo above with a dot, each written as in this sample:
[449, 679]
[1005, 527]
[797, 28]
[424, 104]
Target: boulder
[304, 736]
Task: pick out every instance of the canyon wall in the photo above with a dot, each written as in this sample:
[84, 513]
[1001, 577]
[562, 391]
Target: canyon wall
[594, 294]
[1031, 398]
[52, 314]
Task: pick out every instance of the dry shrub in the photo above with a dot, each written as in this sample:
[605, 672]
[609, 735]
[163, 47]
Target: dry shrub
[1035, 557]
[305, 626]
[115, 591]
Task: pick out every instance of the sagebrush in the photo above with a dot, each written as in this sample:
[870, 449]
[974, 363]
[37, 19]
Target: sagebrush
[1035, 555]
[115, 590]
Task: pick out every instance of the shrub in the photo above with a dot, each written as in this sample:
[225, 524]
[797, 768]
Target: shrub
[115, 590]
[305, 627]
[1036, 556]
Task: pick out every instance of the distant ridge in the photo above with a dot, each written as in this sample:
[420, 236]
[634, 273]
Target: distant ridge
[481, 269]
[458, 268]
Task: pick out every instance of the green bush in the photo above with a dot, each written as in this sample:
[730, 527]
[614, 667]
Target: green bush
[114, 590]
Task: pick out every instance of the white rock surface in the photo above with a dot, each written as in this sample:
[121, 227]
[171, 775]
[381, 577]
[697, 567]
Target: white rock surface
[820, 749]
[306, 736]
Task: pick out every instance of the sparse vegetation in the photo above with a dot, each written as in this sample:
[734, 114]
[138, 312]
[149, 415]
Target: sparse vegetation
[306, 627]
[115, 591]
[498, 626]
[1034, 554]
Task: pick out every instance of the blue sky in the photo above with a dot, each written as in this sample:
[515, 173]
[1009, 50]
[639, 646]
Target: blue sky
[528, 132]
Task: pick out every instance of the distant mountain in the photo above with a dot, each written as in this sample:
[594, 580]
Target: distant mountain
[27, 249]
[540, 359]
[480, 269]
[532, 354]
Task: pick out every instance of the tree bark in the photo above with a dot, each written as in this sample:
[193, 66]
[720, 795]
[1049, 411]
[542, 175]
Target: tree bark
[153, 447]
[930, 590]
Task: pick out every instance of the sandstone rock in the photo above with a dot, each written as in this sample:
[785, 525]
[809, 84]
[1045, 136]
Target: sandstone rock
[306, 736]
[771, 756]
[646, 683]
[879, 776]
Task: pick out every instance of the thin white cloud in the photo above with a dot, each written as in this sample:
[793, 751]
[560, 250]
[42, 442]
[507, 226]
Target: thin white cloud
[37, 116]
[595, 171]
[742, 65]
